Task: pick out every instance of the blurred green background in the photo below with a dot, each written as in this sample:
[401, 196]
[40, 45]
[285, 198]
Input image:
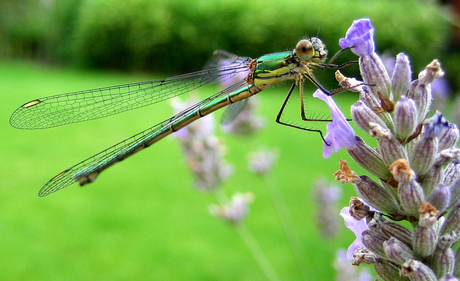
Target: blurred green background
[142, 219]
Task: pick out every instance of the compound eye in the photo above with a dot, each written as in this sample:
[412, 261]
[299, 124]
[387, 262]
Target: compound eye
[304, 50]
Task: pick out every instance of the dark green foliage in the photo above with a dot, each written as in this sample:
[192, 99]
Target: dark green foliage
[179, 35]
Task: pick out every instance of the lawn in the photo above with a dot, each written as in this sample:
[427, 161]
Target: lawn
[143, 219]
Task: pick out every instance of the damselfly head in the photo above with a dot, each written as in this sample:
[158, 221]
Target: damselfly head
[312, 49]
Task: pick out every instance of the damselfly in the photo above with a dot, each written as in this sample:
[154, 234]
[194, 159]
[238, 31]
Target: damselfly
[80, 106]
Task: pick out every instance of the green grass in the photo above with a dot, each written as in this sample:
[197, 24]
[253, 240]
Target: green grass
[142, 219]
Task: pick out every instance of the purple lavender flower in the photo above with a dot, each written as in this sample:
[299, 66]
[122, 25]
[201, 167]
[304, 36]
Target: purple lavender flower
[339, 132]
[359, 37]
[358, 227]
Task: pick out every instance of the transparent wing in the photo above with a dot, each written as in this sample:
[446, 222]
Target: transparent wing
[87, 170]
[232, 111]
[86, 105]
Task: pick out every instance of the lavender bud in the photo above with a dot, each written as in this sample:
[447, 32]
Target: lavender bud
[376, 195]
[421, 94]
[374, 242]
[376, 223]
[363, 116]
[449, 137]
[417, 271]
[368, 158]
[434, 126]
[390, 229]
[446, 156]
[452, 173]
[431, 72]
[425, 235]
[424, 154]
[390, 148]
[358, 210]
[397, 231]
[400, 80]
[397, 251]
[363, 255]
[378, 106]
[388, 271]
[440, 197]
[368, 98]
[374, 73]
[420, 89]
[443, 258]
[401, 171]
[431, 179]
[411, 197]
[405, 118]
[452, 222]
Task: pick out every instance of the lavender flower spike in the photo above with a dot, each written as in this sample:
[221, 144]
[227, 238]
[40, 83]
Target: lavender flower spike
[339, 132]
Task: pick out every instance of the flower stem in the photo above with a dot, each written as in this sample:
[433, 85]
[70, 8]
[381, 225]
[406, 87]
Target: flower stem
[287, 224]
[250, 242]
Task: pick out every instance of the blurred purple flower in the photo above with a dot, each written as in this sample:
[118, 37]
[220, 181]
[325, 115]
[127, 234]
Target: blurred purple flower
[389, 62]
[357, 227]
[262, 161]
[235, 210]
[359, 37]
[202, 149]
[440, 90]
[339, 132]
[326, 196]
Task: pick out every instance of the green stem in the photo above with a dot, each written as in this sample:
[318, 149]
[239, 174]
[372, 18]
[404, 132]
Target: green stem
[250, 242]
[287, 224]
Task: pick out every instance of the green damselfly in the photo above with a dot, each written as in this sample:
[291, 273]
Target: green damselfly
[86, 105]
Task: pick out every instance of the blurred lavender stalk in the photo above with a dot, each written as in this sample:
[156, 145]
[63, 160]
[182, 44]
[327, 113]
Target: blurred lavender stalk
[261, 161]
[235, 210]
[326, 197]
[416, 164]
[203, 153]
[202, 150]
